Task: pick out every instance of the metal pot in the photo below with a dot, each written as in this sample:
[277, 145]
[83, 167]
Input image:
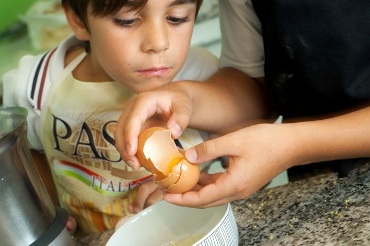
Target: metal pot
[28, 216]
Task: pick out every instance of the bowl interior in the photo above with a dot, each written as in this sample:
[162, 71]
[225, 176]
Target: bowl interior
[168, 224]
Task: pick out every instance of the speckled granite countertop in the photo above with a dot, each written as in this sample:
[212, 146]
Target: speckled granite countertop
[320, 209]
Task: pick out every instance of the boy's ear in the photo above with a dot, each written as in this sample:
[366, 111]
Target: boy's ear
[75, 23]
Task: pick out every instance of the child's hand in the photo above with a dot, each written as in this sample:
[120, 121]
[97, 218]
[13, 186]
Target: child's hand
[169, 107]
[71, 225]
[256, 154]
[148, 194]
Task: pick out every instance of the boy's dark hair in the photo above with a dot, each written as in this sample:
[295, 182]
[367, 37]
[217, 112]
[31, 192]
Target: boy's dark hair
[102, 8]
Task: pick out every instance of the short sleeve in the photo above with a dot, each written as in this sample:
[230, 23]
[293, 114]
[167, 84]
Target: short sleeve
[242, 43]
[15, 83]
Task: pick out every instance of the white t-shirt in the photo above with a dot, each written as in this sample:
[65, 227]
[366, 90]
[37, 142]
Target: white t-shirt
[74, 124]
[242, 42]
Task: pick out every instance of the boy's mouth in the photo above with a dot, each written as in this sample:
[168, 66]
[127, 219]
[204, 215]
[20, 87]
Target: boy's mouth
[154, 72]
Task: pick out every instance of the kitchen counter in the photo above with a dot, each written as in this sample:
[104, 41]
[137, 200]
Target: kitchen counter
[317, 208]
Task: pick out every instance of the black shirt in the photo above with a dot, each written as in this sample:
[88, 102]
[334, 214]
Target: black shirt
[317, 54]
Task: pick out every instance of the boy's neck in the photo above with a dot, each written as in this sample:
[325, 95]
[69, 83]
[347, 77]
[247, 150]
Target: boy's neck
[86, 71]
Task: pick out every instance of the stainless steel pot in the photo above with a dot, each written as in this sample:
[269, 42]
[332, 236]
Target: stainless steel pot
[28, 216]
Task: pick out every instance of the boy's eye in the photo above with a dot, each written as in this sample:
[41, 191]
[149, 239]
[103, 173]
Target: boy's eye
[177, 20]
[124, 23]
[131, 22]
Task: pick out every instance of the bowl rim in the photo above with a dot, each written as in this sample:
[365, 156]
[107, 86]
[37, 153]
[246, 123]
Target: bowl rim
[226, 211]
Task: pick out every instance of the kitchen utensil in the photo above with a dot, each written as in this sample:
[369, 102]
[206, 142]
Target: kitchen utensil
[28, 216]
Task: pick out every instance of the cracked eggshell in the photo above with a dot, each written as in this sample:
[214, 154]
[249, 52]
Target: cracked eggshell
[189, 176]
[158, 153]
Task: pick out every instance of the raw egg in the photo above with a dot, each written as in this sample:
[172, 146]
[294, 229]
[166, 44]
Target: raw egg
[158, 153]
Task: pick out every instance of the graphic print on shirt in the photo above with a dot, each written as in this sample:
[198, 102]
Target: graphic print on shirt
[92, 181]
[92, 157]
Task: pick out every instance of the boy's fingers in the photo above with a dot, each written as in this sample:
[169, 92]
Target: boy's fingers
[211, 149]
[179, 119]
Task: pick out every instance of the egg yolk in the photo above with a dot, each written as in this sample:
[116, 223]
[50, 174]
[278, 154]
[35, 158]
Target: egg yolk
[173, 163]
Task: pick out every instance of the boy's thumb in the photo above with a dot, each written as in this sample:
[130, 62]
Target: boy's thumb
[203, 152]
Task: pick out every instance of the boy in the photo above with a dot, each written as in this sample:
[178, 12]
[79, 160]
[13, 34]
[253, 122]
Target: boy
[75, 95]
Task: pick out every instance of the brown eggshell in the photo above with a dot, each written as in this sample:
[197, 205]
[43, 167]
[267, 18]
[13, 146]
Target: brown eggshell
[189, 177]
[166, 182]
[150, 151]
[158, 153]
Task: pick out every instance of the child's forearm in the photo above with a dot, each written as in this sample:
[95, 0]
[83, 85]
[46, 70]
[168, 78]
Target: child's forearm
[228, 98]
[343, 136]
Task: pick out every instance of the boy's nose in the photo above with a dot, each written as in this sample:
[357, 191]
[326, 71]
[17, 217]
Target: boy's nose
[156, 38]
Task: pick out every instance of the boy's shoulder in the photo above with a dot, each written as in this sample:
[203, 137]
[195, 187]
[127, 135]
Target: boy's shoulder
[35, 73]
[27, 85]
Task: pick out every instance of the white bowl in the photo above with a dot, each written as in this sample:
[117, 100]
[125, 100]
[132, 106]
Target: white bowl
[165, 224]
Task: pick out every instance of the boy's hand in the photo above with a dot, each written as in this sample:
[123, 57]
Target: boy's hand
[256, 154]
[148, 194]
[167, 106]
[71, 225]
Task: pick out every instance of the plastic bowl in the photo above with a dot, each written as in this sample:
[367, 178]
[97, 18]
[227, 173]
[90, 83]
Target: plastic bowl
[165, 224]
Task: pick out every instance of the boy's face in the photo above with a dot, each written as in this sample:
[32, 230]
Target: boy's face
[142, 49]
